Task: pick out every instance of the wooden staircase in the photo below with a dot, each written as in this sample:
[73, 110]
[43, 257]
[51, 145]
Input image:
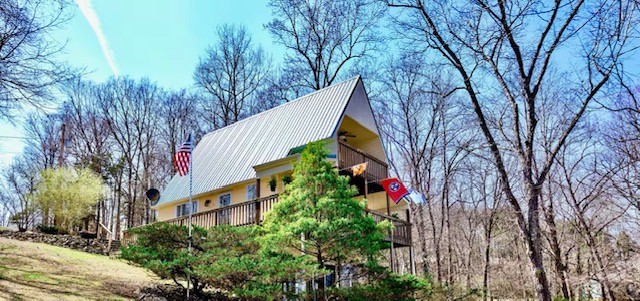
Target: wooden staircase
[115, 244]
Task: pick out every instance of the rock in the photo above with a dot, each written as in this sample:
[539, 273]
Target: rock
[95, 246]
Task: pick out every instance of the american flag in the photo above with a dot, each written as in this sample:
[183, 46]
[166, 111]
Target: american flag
[183, 155]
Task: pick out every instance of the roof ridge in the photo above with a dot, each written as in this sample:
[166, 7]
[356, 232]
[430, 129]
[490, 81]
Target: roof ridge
[284, 104]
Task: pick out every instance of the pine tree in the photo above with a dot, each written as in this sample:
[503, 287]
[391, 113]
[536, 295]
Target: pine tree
[317, 216]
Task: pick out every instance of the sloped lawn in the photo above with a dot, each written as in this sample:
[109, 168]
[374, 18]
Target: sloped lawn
[36, 271]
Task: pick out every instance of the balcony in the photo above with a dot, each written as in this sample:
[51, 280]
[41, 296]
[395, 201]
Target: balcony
[376, 171]
[252, 213]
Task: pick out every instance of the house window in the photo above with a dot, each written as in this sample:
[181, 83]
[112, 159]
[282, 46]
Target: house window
[225, 200]
[251, 192]
[250, 212]
[224, 215]
[183, 209]
[330, 280]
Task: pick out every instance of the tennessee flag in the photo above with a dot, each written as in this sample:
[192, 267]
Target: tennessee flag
[395, 189]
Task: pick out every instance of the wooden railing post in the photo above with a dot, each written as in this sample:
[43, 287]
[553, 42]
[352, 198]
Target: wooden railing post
[257, 213]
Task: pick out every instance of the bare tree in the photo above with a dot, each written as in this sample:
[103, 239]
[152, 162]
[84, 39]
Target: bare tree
[586, 189]
[89, 140]
[324, 38]
[28, 66]
[20, 180]
[623, 137]
[486, 195]
[425, 138]
[232, 72]
[178, 114]
[512, 45]
[410, 128]
[129, 108]
[44, 133]
[89, 144]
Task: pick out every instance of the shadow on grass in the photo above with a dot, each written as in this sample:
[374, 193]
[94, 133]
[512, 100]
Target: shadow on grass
[13, 295]
[27, 276]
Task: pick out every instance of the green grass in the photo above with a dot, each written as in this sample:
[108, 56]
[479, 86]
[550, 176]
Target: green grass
[35, 271]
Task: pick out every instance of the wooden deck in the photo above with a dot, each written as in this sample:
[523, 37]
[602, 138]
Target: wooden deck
[252, 213]
[349, 156]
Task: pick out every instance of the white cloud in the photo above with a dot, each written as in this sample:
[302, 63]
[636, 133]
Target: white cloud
[91, 16]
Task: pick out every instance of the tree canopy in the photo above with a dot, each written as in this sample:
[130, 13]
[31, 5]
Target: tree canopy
[317, 215]
[68, 194]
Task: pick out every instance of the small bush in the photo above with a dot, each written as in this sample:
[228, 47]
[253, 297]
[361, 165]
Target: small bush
[390, 287]
[51, 230]
[229, 259]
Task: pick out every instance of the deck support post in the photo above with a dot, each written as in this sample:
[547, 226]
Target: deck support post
[257, 209]
[257, 205]
[391, 254]
[366, 192]
[412, 263]
[258, 188]
[388, 205]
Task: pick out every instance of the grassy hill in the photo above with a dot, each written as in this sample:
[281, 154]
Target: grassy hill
[36, 271]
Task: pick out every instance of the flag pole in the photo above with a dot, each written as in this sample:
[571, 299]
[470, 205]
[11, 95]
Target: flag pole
[190, 206]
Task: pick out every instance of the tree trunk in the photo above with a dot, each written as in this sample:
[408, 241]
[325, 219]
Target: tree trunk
[485, 274]
[436, 243]
[559, 265]
[533, 240]
[321, 294]
[604, 277]
[450, 279]
[130, 197]
[422, 239]
[118, 213]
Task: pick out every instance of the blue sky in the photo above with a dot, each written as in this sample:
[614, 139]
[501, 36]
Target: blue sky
[161, 40]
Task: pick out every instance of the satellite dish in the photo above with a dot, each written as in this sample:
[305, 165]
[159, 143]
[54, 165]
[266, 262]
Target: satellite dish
[153, 194]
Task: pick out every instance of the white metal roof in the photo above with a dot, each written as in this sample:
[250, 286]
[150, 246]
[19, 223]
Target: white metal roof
[227, 155]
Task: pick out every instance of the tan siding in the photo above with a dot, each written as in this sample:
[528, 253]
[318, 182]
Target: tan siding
[372, 147]
[361, 138]
[265, 190]
[166, 212]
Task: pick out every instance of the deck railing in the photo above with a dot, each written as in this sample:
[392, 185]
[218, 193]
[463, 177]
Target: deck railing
[247, 213]
[401, 233]
[349, 156]
[252, 212]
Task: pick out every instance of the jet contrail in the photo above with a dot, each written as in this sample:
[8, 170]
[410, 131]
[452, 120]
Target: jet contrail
[91, 16]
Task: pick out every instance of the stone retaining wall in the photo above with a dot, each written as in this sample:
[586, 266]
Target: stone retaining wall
[96, 246]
